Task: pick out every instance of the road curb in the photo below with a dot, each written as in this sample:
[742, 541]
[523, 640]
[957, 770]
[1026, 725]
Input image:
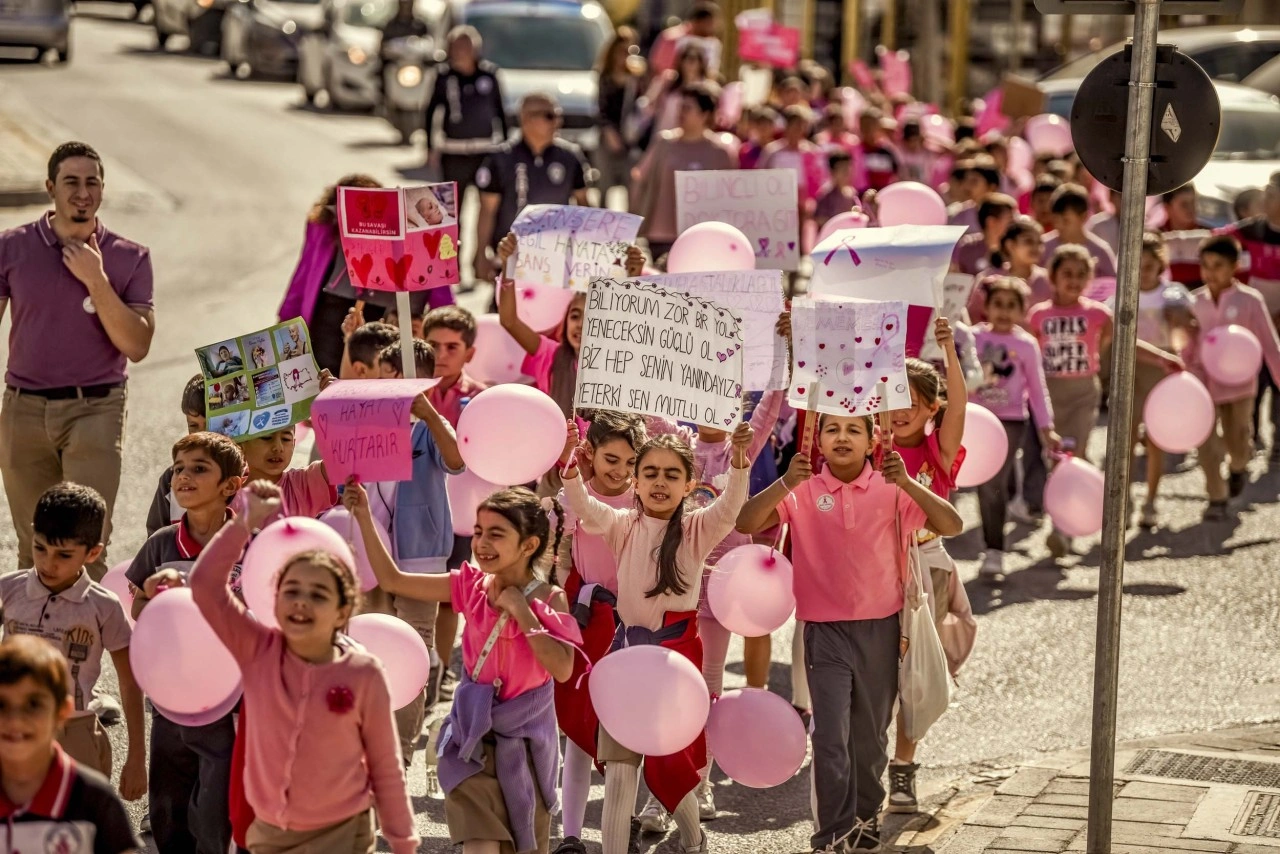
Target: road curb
[17, 196]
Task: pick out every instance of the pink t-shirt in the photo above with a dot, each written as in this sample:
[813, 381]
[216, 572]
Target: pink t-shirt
[1069, 337]
[1012, 375]
[512, 659]
[305, 492]
[538, 363]
[846, 554]
[924, 463]
[592, 557]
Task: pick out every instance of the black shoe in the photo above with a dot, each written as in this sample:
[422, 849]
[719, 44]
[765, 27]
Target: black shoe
[570, 845]
[902, 788]
[633, 843]
[1236, 482]
[865, 836]
[1216, 512]
[434, 678]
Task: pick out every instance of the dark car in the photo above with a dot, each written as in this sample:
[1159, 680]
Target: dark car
[38, 24]
[260, 37]
[199, 20]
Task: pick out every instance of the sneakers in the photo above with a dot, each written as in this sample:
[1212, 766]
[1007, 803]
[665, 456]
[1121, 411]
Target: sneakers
[1236, 482]
[1020, 511]
[434, 677]
[865, 835]
[700, 848]
[633, 842]
[992, 566]
[654, 818]
[1148, 518]
[447, 683]
[706, 796]
[107, 708]
[1274, 458]
[570, 845]
[1216, 511]
[1057, 544]
[902, 787]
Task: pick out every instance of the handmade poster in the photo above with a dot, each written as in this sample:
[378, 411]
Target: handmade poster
[761, 203]
[566, 246]
[362, 428]
[654, 351]
[400, 239]
[755, 296]
[1184, 246]
[904, 262]
[261, 382]
[847, 347]
[956, 288]
[773, 45]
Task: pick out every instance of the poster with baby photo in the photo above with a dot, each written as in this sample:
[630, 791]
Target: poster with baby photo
[847, 349]
[273, 393]
[403, 239]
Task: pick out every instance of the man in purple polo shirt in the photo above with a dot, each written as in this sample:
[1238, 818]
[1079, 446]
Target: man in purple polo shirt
[82, 308]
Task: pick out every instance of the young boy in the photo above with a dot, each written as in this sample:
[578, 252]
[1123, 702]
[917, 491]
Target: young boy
[50, 802]
[306, 491]
[1224, 300]
[416, 512]
[392, 318]
[1070, 207]
[190, 766]
[838, 195]
[364, 342]
[164, 508]
[58, 601]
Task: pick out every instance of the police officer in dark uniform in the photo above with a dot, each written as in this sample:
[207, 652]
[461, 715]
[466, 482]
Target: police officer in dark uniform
[538, 168]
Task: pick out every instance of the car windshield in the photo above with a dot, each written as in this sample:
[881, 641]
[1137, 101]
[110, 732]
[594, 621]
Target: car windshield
[370, 13]
[1249, 134]
[559, 43]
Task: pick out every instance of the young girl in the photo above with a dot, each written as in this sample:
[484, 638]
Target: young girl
[1014, 378]
[661, 548]
[592, 588]
[322, 750]
[499, 756]
[933, 460]
[1022, 247]
[848, 533]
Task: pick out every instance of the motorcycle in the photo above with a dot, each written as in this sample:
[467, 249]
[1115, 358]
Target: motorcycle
[405, 83]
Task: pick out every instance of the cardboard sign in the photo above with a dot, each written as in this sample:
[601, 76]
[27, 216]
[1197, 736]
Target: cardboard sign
[761, 203]
[904, 262]
[653, 351]
[261, 382]
[566, 246]
[400, 239]
[1022, 98]
[755, 296]
[773, 45]
[848, 347]
[956, 288]
[362, 428]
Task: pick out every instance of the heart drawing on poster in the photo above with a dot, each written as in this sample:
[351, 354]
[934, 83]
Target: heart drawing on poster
[431, 240]
[362, 266]
[398, 270]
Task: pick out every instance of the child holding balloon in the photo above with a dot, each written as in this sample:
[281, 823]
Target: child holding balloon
[848, 533]
[499, 754]
[661, 548]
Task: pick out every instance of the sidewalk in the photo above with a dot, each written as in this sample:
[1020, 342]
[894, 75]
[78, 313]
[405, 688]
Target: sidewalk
[1207, 792]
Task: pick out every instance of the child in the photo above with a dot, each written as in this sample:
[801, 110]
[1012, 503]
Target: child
[364, 341]
[499, 754]
[416, 321]
[50, 800]
[763, 127]
[1040, 204]
[306, 490]
[933, 460]
[795, 152]
[164, 507]
[835, 134]
[1022, 248]
[877, 158]
[1013, 379]
[918, 162]
[982, 249]
[838, 196]
[1221, 301]
[58, 601]
[848, 530]
[322, 748]
[1070, 207]
[416, 515]
[661, 548]
[591, 584]
[226, 363]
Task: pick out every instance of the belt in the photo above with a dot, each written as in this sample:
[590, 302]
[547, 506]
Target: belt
[466, 146]
[69, 392]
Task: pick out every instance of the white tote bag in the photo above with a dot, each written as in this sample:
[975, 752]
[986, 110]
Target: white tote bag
[924, 683]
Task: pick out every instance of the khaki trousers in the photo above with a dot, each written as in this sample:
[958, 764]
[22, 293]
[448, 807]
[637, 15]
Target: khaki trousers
[422, 617]
[85, 741]
[353, 836]
[1232, 438]
[44, 442]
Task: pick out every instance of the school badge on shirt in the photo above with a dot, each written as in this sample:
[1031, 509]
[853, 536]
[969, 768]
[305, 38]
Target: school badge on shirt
[555, 173]
[826, 503]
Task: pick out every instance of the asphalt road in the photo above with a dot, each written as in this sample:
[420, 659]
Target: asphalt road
[218, 175]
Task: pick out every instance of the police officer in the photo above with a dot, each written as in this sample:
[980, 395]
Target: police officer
[538, 168]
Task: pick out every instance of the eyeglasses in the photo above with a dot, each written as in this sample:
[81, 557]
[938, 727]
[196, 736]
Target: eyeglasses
[547, 115]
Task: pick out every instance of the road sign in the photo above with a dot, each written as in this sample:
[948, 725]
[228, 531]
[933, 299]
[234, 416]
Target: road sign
[1185, 123]
[1125, 7]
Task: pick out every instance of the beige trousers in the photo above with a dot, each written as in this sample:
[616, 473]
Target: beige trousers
[353, 836]
[1231, 438]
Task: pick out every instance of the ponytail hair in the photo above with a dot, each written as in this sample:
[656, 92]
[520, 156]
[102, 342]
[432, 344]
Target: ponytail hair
[526, 513]
[927, 383]
[669, 580]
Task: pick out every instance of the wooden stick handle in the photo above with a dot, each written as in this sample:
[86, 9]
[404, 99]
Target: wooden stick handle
[810, 421]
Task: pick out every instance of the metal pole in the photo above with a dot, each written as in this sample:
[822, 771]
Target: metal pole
[959, 30]
[850, 47]
[1115, 501]
[1017, 17]
[889, 25]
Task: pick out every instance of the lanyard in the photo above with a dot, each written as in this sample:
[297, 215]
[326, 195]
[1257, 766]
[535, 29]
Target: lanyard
[492, 640]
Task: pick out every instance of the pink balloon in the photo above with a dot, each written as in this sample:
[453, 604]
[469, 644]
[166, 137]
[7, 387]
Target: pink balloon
[910, 203]
[340, 520]
[177, 659]
[1231, 354]
[756, 737]
[1179, 413]
[542, 308]
[986, 445]
[1049, 134]
[711, 247]
[650, 699]
[498, 357]
[511, 434]
[465, 492]
[1073, 498]
[750, 590]
[206, 717]
[400, 649]
[272, 549]
[115, 581]
[938, 129]
[841, 222]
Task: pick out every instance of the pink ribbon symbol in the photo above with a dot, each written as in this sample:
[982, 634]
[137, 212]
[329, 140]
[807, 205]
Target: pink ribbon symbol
[846, 243]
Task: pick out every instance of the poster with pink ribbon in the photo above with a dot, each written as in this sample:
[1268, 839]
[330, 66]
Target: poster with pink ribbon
[846, 348]
[363, 428]
[400, 239]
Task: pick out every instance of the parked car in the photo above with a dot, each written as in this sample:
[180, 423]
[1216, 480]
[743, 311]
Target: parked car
[260, 37]
[38, 24]
[1229, 53]
[1248, 149]
[199, 20]
[1266, 78]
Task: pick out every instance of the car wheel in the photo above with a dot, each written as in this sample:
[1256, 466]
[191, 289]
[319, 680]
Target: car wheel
[162, 38]
[64, 55]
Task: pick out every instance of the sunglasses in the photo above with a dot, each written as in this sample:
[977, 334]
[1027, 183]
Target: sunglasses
[548, 115]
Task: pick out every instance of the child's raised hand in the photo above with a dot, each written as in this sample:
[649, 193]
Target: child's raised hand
[742, 436]
[162, 580]
[571, 440]
[354, 497]
[353, 321]
[800, 470]
[512, 600]
[894, 470]
[506, 248]
[264, 501]
[326, 379]
[635, 261]
[944, 335]
[783, 326]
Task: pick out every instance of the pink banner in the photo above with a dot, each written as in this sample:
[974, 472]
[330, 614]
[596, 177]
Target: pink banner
[362, 428]
[895, 71]
[774, 45]
[403, 239]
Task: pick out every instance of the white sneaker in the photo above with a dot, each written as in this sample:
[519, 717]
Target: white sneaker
[654, 818]
[992, 565]
[1148, 518]
[706, 795]
[1020, 512]
[700, 848]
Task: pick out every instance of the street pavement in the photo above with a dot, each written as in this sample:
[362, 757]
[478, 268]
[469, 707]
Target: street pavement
[216, 176]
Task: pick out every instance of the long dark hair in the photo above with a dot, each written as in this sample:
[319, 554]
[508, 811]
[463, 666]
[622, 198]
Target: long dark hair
[323, 210]
[928, 385]
[564, 368]
[668, 570]
[524, 511]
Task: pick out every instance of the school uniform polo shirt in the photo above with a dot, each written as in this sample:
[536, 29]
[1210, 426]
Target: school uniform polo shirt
[522, 178]
[171, 547]
[83, 621]
[75, 812]
[846, 556]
